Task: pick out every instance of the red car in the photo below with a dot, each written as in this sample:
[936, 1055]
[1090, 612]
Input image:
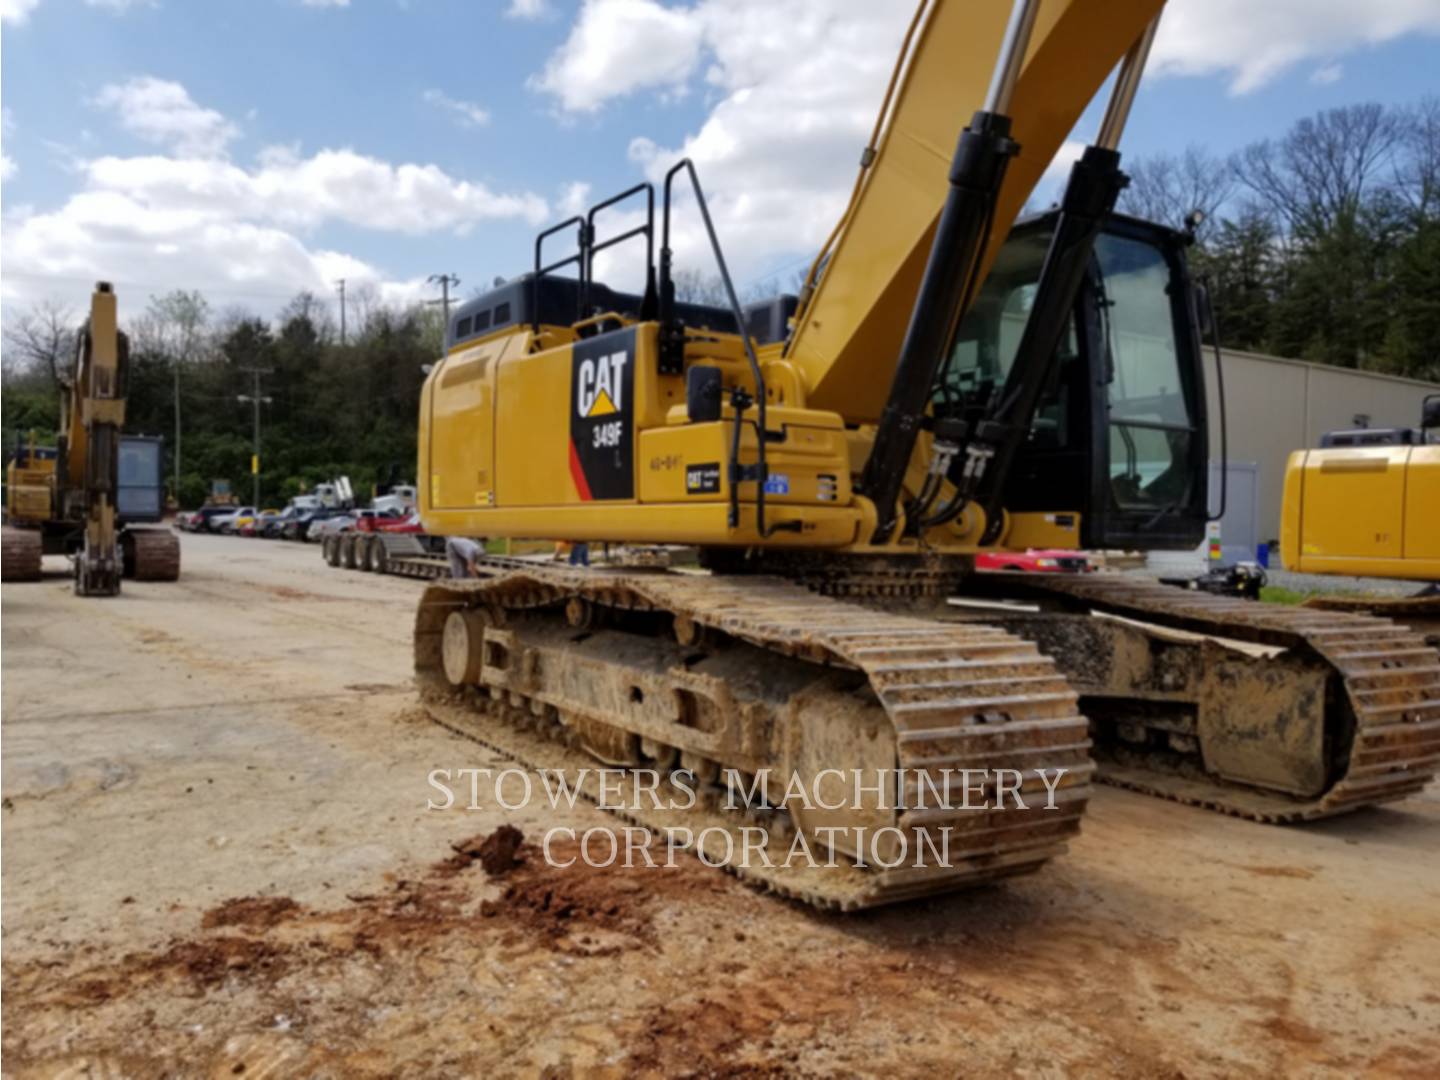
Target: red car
[1039, 561]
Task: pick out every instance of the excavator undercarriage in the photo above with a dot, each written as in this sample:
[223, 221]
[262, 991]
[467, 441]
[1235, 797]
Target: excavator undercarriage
[734, 678]
[1277, 714]
[1265, 711]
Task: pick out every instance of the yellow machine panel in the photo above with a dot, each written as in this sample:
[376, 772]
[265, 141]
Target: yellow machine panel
[686, 463]
[461, 471]
[591, 426]
[1372, 511]
[1422, 506]
[30, 489]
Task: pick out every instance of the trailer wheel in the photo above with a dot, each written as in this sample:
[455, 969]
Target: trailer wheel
[330, 545]
[364, 553]
[347, 550]
[379, 557]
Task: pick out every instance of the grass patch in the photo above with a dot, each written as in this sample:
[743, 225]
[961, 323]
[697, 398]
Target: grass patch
[1278, 594]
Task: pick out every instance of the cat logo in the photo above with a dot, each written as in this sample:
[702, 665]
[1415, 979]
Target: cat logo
[600, 385]
[602, 404]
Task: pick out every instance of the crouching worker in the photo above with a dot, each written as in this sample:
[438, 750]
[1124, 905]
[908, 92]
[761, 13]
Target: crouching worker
[464, 555]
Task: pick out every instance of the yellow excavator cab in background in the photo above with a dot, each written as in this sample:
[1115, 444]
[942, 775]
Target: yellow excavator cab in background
[1366, 503]
[89, 496]
[949, 381]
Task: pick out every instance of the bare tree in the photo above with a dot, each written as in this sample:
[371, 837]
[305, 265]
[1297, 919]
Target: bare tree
[365, 303]
[1318, 174]
[1418, 173]
[43, 339]
[1166, 188]
[175, 326]
[695, 287]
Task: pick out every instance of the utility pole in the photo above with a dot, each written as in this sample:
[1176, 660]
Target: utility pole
[446, 283]
[177, 431]
[257, 399]
[341, 282]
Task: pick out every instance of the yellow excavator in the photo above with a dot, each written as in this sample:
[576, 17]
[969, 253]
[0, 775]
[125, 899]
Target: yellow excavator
[90, 496]
[1366, 502]
[950, 381]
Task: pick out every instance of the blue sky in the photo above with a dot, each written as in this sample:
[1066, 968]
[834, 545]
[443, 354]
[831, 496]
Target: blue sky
[210, 122]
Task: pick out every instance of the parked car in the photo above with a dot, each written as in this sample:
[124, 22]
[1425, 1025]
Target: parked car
[225, 523]
[363, 520]
[329, 525]
[274, 528]
[297, 527]
[252, 526]
[204, 519]
[1036, 560]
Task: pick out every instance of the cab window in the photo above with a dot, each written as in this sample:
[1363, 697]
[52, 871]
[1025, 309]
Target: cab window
[1149, 418]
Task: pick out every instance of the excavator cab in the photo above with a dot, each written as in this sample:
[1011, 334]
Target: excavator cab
[1117, 444]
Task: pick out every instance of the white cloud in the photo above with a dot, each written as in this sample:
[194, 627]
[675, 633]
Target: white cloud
[325, 3]
[467, 113]
[1251, 43]
[16, 11]
[1324, 76]
[240, 233]
[119, 6]
[1053, 179]
[527, 9]
[161, 112]
[796, 84]
[779, 150]
[619, 46]
[306, 192]
[7, 127]
[574, 197]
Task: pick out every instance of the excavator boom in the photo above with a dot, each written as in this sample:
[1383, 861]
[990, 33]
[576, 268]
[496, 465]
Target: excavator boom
[848, 334]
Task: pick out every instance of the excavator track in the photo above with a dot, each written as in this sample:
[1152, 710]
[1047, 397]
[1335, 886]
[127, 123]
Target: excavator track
[556, 667]
[1380, 684]
[1420, 612]
[21, 555]
[153, 555]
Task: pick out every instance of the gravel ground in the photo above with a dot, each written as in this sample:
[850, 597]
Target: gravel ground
[218, 861]
[1335, 583]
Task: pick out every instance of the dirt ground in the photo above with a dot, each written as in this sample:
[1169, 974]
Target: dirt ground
[218, 860]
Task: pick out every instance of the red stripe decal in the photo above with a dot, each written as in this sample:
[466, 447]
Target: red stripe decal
[577, 473]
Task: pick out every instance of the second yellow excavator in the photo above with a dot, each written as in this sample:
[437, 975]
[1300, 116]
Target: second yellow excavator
[91, 496]
[1366, 502]
[946, 384]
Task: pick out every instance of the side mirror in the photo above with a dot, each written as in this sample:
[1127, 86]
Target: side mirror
[1430, 412]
